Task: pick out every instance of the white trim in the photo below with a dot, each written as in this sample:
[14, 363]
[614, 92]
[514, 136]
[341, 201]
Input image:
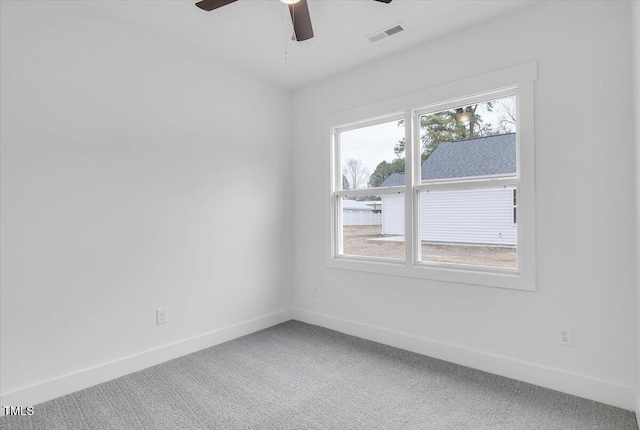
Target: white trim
[599, 390]
[470, 275]
[369, 123]
[365, 192]
[105, 372]
[477, 184]
[410, 208]
[349, 257]
[525, 153]
[411, 181]
[481, 97]
[462, 89]
[482, 269]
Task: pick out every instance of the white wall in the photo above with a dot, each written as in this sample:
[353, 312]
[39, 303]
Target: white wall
[126, 170]
[635, 23]
[585, 215]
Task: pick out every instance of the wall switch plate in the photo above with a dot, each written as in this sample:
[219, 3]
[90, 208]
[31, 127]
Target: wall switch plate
[161, 316]
[316, 292]
[565, 335]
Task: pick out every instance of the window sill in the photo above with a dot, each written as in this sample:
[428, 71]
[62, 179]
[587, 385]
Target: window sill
[488, 277]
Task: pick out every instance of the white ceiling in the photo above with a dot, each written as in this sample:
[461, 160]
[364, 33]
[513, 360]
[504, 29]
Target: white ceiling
[252, 35]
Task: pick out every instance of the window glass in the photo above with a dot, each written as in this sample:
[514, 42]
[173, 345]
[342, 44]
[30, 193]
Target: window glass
[373, 226]
[474, 140]
[373, 156]
[468, 227]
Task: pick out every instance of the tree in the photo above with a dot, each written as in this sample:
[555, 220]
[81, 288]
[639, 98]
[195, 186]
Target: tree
[506, 110]
[356, 173]
[384, 170]
[345, 183]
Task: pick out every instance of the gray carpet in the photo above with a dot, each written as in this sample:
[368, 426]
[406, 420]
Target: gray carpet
[299, 376]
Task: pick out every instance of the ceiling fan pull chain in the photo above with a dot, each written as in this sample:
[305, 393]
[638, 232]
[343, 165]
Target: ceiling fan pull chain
[293, 21]
[286, 41]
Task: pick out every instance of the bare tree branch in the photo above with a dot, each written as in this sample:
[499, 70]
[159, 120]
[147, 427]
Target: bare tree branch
[356, 173]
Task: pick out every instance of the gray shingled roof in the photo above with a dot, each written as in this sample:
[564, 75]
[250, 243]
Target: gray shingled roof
[393, 180]
[493, 155]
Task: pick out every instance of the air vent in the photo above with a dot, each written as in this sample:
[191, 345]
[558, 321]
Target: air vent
[383, 34]
[394, 30]
[378, 36]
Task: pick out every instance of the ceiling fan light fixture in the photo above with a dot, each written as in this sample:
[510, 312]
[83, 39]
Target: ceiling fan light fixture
[298, 9]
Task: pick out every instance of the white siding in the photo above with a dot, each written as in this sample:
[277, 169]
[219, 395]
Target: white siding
[356, 217]
[477, 216]
[482, 216]
[393, 214]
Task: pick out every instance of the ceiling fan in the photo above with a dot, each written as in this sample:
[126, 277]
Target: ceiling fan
[299, 14]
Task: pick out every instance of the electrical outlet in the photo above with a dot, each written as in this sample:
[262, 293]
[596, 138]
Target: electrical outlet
[316, 292]
[565, 335]
[161, 316]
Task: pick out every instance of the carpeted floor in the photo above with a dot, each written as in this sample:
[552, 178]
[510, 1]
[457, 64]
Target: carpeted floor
[299, 376]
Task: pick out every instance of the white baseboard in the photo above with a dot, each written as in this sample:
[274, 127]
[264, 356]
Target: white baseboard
[579, 385]
[88, 377]
[599, 390]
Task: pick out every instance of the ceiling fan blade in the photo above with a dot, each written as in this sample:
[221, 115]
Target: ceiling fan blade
[384, 1]
[210, 5]
[301, 20]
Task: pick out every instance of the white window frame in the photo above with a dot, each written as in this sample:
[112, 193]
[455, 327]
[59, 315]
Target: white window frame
[519, 81]
[339, 193]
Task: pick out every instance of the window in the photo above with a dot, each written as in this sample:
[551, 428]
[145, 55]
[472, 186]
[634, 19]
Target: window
[432, 192]
[368, 163]
[468, 173]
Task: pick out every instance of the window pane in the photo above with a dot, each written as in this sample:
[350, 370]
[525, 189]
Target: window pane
[373, 227]
[373, 156]
[470, 227]
[470, 141]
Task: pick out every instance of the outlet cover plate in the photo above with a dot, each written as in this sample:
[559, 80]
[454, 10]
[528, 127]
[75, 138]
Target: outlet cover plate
[161, 316]
[565, 335]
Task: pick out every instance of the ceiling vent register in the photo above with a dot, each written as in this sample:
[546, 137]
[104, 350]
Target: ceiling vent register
[383, 34]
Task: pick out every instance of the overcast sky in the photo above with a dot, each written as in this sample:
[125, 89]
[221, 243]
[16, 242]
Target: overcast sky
[371, 145]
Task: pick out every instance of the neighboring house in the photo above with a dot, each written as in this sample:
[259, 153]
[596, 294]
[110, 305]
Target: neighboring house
[476, 216]
[360, 213]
